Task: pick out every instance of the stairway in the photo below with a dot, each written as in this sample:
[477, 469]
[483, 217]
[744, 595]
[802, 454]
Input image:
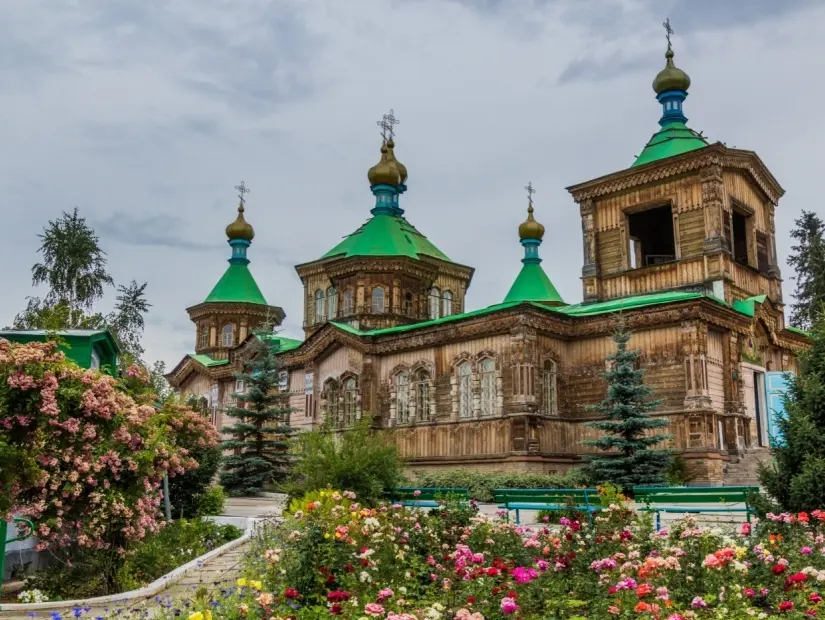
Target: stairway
[742, 468]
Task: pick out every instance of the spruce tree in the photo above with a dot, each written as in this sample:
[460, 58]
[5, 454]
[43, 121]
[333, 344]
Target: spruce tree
[260, 438]
[796, 479]
[626, 409]
[808, 259]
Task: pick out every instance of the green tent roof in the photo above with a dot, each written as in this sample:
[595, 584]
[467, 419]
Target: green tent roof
[236, 285]
[386, 235]
[283, 343]
[672, 139]
[532, 284]
[205, 360]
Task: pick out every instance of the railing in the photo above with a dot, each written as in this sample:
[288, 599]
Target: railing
[659, 259]
[4, 531]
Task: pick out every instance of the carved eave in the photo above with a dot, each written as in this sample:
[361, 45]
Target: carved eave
[206, 309]
[425, 267]
[714, 155]
[185, 368]
[321, 340]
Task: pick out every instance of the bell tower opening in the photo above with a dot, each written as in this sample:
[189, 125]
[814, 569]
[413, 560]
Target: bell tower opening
[651, 238]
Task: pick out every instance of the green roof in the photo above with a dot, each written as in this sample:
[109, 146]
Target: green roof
[205, 360]
[386, 235]
[630, 303]
[672, 139]
[236, 285]
[532, 284]
[284, 344]
[796, 330]
[748, 306]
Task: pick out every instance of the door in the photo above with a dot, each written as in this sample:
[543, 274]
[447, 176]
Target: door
[751, 407]
[776, 386]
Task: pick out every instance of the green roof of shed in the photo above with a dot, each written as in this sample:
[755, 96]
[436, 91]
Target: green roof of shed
[386, 235]
[672, 139]
[533, 284]
[236, 285]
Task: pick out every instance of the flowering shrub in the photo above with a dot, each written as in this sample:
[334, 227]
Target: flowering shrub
[99, 446]
[334, 557]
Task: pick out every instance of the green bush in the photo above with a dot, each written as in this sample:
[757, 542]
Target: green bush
[358, 460]
[481, 484]
[211, 502]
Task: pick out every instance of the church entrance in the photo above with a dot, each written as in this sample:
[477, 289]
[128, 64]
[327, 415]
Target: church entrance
[753, 378]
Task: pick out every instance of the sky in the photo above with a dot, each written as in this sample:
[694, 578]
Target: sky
[145, 115]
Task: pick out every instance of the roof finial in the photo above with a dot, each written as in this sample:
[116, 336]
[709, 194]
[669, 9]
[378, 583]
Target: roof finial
[242, 189]
[530, 192]
[386, 123]
[668, 31]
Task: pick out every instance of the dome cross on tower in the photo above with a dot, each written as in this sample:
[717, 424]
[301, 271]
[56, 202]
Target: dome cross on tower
[242, 189]
[388, 176]
[240, 233]
[668, 31]
[386, 124]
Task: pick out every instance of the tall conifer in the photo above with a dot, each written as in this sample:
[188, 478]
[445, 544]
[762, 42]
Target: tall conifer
[626, 409]
[808, 260]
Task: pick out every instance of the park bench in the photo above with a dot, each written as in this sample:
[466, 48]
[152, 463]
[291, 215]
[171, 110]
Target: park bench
[580, 500]
[426, 497]
[688, 499]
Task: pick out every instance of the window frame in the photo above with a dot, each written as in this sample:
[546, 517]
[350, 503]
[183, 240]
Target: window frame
[421, 380]
[319, 308]
[228, 342]
[332, 303]
[434, 303]
[464, 371]
[350, 391]
[446, 303]
[549, 388]
[487, 387]
[402, 397]
[376, 295]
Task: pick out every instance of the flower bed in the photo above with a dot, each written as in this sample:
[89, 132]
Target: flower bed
[333, 557]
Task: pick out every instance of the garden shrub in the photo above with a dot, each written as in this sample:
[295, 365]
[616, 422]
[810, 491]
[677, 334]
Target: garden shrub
[359, 459]
[482, 484]
[187, 491]
[211, 502]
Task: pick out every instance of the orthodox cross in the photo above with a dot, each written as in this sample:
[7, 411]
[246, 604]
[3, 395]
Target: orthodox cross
[242, 189]
[530, 192]
[386, 123]
[668, 31]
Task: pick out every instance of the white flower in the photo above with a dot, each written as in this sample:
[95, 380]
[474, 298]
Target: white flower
[364, 577]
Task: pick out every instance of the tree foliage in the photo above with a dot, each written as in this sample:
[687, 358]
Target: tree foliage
[796, 479]
[126, 321]
[808, 259]
[626, 409]
[260, 435]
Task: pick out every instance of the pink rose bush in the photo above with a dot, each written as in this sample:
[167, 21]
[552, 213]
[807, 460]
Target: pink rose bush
[98, 448]
[333, 557]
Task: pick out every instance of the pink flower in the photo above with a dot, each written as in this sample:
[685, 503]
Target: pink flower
[786, 606]
[698, 603]
[373, 609]
[509, 606]
[806, 551]
[524, 575]
[384, 594]
[745, 529]
[416, 493]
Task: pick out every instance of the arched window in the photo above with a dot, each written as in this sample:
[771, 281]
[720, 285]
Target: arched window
[422, 394]
[349, 307]
[332, 303]
[319, 306]
[447, 298]
[488, 387]
[408, 304]
[435, 303]
[332, 396]
[549, 379]
[465, 389]
[350, 402]
[402, 398]
[377, 300]
[228, 335]
[204, 338]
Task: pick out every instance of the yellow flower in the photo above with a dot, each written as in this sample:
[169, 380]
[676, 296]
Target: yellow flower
[196, 616]
[326, 535]
[244, 609]
[241, 583]
[207, 614]
[257, 585]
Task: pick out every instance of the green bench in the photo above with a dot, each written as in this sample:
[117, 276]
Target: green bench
[426, 497]
[582, 500]
[692, 496]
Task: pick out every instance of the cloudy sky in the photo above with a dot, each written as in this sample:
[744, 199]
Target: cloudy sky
[146, 113]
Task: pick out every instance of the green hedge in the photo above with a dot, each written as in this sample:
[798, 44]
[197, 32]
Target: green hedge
[481, 484]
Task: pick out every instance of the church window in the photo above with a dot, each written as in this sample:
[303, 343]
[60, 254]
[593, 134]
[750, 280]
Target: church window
[447, 298]
[465, 389]
[350, 402]
[650, 237]
[435, 303]
[549, 380]
[239, 386]
[422, 394]
[488, 387]
[319, 306]
[204, 338]
[402, 398]
[228, 335]
[762, 260]
[377, 300]
[741, 229]
[332, 303]
[349, 307]
[332, 396]
[408, 304]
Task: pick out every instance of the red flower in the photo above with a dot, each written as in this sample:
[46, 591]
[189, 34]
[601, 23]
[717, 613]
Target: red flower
[803, 517]
[798, 578]
[644, 590]
[786, 606]
[336, 609]
[815, 597]
[492, 571]
[337, 596]
[641, 607]
[471, 599]
[291, 593]
[513, 594]
[348, 568]
[749, 592]
[778, 569]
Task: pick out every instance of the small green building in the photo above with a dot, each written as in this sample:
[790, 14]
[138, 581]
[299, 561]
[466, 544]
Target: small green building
[89, 348]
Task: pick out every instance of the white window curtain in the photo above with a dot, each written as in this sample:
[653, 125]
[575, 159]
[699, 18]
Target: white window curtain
[488, 387]
[319, 306]
[402, 398]
[378, 300]
[227, 336]
[447, 298]
[435, 302]
[350, 402]
[422, 394]
[332, 303]
[465, 390]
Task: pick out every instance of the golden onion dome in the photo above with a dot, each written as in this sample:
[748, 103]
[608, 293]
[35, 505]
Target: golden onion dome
[385, 172]
[402, 169]
[671, 77]
[530, 228]
[240, 228]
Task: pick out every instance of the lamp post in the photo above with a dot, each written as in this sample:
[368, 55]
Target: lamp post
[4, 531]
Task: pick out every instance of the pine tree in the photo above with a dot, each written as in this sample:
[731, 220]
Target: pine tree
[626, 408]
[796, 479]
[808, 259]
[260, 437]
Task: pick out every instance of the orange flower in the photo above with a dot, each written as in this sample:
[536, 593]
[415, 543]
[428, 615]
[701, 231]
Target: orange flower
[641, 607]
